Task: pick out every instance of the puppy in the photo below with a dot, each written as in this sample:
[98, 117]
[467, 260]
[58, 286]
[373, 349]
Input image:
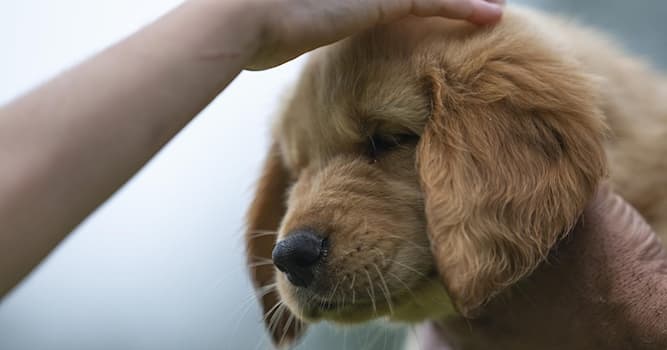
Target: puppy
[423, 167]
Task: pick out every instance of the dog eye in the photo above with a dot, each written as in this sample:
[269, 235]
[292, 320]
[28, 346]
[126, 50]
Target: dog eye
[381, 144]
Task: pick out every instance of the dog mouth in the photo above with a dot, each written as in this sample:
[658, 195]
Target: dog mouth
[426, 299]
[348, 312]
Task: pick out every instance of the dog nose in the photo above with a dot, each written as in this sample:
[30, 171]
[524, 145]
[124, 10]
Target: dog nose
[297, 255]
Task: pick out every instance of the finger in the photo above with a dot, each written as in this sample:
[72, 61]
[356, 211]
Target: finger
[475, 11]
[486, 12]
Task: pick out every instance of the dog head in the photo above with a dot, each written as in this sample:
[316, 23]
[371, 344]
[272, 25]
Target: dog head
[419, 168]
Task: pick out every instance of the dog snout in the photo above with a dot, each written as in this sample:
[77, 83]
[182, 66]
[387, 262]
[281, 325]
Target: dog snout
[298, 255]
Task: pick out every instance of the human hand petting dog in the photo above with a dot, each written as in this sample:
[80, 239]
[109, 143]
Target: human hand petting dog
[294, 27]
[65, 158]
[604, 287]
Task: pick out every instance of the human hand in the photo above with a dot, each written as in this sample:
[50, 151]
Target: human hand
[293, 27]
[604, 287]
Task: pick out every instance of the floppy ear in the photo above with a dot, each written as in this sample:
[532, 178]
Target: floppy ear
[508, 160]
[264, 216]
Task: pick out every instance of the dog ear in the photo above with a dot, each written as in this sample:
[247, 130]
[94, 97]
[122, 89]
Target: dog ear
[511, 155]
[263, 219]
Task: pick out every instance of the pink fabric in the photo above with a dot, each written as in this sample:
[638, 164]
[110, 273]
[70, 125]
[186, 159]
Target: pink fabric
[431, 337]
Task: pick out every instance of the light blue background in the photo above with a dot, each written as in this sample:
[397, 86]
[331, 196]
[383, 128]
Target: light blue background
[160, 265]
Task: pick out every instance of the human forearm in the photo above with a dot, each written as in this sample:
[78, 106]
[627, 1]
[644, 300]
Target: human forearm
[67, 146]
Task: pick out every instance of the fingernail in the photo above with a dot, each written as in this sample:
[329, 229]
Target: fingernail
[485, 12]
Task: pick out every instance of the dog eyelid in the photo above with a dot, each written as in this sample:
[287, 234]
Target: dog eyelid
[379, 144]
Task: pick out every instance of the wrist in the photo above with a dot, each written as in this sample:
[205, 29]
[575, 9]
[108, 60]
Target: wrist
[227, 32]
[267, 32]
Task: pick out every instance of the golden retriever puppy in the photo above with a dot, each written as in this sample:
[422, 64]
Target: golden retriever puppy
[421, 168]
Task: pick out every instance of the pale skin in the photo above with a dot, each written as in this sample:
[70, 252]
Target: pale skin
[71, 143]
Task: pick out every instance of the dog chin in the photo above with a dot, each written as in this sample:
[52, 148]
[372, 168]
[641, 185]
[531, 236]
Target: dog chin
[426, 301]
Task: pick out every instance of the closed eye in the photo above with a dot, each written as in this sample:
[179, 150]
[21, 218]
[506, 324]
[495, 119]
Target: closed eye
[378, 145]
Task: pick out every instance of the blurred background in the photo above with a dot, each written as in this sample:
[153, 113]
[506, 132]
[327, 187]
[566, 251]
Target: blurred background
[160, 265]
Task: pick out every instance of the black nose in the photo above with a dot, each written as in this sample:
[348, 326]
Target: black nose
[297, 256]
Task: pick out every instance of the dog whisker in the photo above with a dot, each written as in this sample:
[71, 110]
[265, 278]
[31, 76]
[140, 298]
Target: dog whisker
[342, 303]
[385, 290]
[321, 302]
[333, 293]
[261, 259]
[410, 291]
[244, 309]
[409, 268]
[260, 264]
[286, 327]
[312, 299]
[354, 277]
[300, 326]
[271, 310]
[262, 291]
[375, 311]
[277, 315]
[372, 290]
[261, 233]
[248, 302]
[280, 317]
[407, 288]
[402, 239]
[327, 301]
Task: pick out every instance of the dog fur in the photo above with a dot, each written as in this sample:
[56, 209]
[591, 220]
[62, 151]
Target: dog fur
[442, 162]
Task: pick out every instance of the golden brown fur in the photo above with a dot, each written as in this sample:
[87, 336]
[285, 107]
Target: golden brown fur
[498, 137]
